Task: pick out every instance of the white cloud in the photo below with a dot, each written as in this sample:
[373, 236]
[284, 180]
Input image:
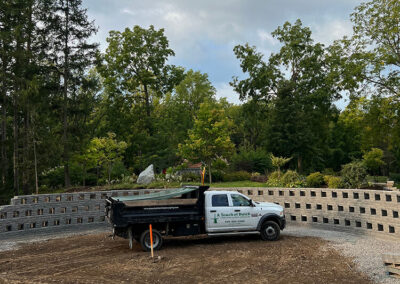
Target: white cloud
[332, 30]
[224, 90]
[203, 33]
[266, 37]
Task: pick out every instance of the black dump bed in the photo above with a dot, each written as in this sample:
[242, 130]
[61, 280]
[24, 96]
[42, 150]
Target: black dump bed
[184, 204]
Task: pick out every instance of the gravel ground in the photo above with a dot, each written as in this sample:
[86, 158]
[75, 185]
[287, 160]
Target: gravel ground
[366, 250]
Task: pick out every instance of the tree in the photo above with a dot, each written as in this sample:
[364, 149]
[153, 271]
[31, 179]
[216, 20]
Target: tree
[376, 43]
[300, 75]
[107, 150]
[373, 160]
[69, 31]
[209, 138]
[135, 65]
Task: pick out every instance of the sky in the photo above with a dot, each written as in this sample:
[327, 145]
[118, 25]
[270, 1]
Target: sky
[203, 33]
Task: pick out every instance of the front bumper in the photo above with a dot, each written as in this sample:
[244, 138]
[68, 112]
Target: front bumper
[282, 222]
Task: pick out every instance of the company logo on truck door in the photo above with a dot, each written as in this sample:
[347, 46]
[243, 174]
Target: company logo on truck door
[231, 215]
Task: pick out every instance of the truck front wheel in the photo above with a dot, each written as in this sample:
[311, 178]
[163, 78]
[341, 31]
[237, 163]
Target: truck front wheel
[145, 240]
[270, 231]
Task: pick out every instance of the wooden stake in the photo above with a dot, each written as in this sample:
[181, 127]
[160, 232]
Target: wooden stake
[151, 241]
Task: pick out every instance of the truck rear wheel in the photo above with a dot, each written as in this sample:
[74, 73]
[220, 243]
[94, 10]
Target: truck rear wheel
[270, 231]
[145, 240]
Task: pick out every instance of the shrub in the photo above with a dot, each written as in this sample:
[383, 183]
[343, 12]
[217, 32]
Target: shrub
[373, 160]
[237, 176]
[118, 169]
[353, 174]
[257, 177]
[328, 172]
[252, 161]
[291, 179]
[333, 182]
[216, 175]
[275, 175]
[191, 177]
[219, 164]
[315, 179]
[395, 177]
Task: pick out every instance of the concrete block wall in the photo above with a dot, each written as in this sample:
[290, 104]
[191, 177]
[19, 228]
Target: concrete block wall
[364, 211]
[51, 211]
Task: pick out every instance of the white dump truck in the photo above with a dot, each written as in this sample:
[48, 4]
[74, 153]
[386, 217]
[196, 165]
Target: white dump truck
[192, 210]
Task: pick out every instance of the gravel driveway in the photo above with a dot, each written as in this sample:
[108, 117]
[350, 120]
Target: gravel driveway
[366, 250]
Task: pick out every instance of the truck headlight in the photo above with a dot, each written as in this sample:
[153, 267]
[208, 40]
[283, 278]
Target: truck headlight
[282, 213]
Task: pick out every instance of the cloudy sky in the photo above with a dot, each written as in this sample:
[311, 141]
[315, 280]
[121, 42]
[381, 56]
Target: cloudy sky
[203, 33]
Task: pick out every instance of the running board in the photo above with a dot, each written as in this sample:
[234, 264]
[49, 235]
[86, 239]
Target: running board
[234, 233]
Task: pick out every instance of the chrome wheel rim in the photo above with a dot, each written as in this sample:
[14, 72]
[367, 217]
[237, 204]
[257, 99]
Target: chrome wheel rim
[270, 231]
[156, 240]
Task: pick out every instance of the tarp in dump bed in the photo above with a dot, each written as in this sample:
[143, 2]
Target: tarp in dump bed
[161, 195]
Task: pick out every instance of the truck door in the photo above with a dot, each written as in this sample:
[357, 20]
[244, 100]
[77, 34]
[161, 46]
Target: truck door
[217, 208]
[245, 215]
[230, 212]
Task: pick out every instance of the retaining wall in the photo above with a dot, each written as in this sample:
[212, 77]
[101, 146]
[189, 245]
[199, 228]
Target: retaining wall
[52, 211]
[365, 211]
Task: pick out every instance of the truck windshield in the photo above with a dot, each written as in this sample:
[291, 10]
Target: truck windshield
[238, 200]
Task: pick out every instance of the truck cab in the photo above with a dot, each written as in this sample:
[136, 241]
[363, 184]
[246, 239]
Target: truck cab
[231, 211]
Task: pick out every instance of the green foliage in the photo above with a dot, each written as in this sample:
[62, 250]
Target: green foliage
[108, 151]
[252, 161]
[191, 177]
[395, 177]
[219, 165]
[217, 175]
[373, 160]
[375, 43]
[119, 170]
[209, 139]
[380, 179]
[257, 177]
[236, 176]
[278, 162]
[315, 179]
[292, 179]
[333, 182]
[354, 174]
[274, 179]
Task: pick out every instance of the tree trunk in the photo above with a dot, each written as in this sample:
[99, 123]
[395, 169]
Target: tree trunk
[209, 172]
[109, 173]
[25, 157]
[36, 172]
[65, 101]
[84, 175]
[147, 100]
[4, 130]
[299, 164]
[15, 147]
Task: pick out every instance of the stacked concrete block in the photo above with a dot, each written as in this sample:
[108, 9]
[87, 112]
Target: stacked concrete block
[50, 211]
[365, 211]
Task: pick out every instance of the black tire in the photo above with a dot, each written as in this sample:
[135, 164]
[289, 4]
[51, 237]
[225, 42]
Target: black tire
[270, 231]
[145, 240]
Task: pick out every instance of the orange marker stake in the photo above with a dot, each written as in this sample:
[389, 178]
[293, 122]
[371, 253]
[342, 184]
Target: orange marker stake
[151, 241]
